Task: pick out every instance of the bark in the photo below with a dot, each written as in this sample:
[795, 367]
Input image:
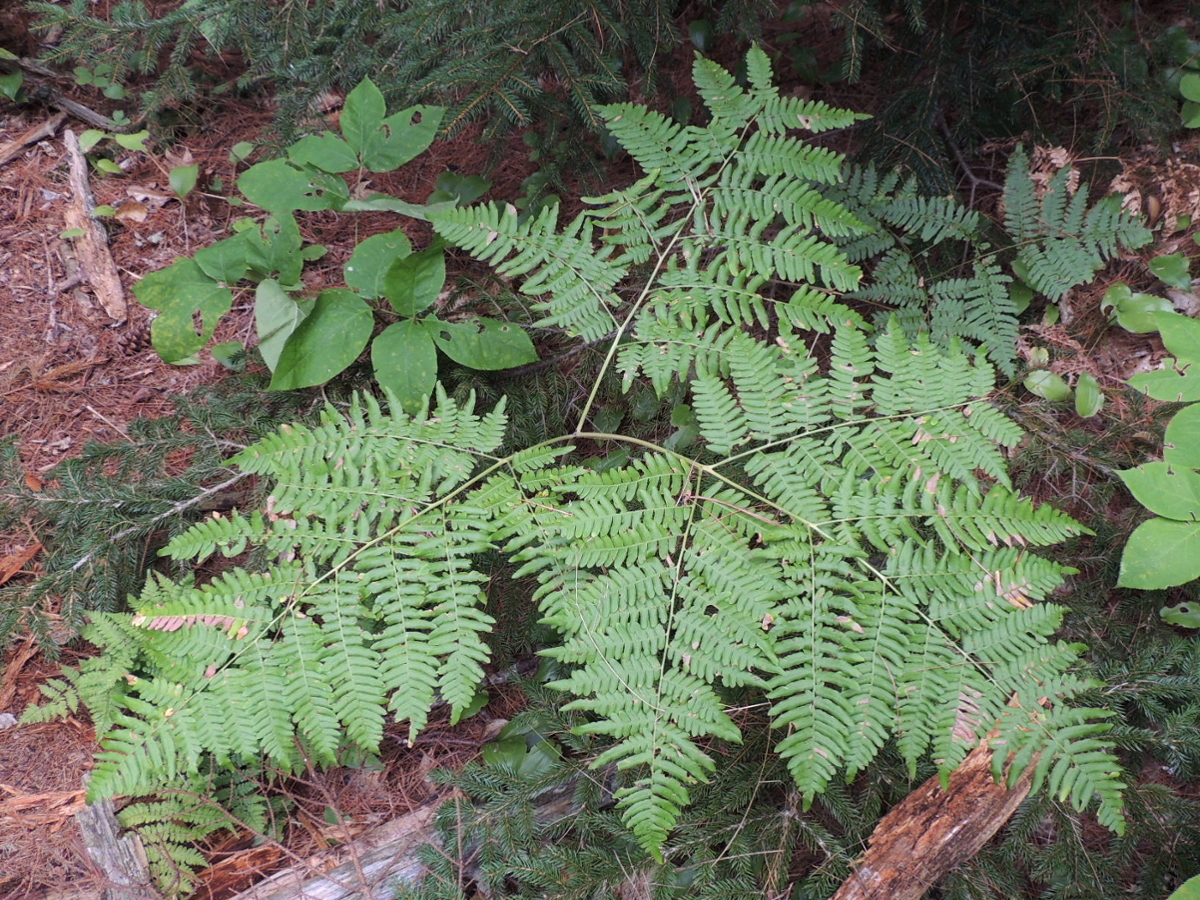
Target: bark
[934, 831]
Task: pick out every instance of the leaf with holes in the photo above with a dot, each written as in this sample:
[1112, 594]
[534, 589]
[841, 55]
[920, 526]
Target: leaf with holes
[481, 343]
[278, 185]
[190, 304]
[383, 144]
[1165, 490]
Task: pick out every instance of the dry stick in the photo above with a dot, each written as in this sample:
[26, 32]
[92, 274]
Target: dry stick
[91, 246]
[174, 510]
[16, 146]
[934, 831]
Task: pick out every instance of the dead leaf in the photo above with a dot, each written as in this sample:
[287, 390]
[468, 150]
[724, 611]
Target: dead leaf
[13, 563]
[131, 212]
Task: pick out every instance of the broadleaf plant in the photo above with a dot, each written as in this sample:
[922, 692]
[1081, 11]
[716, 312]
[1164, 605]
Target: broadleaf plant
[843, 545]
[1164, 551]
[306, 341]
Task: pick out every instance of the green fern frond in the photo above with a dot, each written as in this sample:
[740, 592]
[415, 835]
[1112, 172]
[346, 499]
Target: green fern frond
[1060, 241]
[844, 539]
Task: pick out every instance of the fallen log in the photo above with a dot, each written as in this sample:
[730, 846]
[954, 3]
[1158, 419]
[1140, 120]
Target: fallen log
[91, 244]
[934, 831]
[368, 867]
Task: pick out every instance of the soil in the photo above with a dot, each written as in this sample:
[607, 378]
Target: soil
[70, 373]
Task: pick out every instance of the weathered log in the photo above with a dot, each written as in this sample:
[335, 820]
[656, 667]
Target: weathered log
[122, 859]
[368, 867]
[91, 245]
[934, 831]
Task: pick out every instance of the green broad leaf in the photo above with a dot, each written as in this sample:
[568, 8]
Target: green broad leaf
[327, 152]
[1161, 553]
[1189, 115]
[412, 283]
[107, 166]
[1173, 493]
[1021, 294]
[240, 151]
[279, 186]
[231, 355]
[185, 297]
[1180, 334]
[135, 141]
[1185, 615]
[506, 754]
[362, 115]
[1045, 383]
[1181, 444]
[7, 54]
[383, 144]
[1189, 87]
[539, 760]
[1088, 397]
[484, 344]
[114, 91]
[275, 249]
[700, 33]
[10, 83]
[478, 702]
[224, 261]
[313, 252]
[104, 210]
[451, 187]
[1173, 269]
[404, 136]
[72, 233]
[1174, 383]
[276, 316]
[608, 419]
[405, 362]
[183, 179]
[1135, 312]
[90, 138]
[329, 339]
[182, 282]
[366, 270]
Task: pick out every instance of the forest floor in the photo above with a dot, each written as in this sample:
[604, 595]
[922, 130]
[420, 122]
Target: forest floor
[70, 372]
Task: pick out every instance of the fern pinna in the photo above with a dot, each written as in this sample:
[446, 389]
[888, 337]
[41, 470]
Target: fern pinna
[846, 542]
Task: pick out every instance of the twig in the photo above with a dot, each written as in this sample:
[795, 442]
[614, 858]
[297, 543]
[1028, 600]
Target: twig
[173, 511]
[107, 421]
[16, 146]
[975, 180]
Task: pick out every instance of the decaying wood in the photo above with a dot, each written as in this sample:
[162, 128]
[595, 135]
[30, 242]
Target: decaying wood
[122, 859]
[14, 148]
[41, 809]
[370, 866]
[934, 831]
[91, 247]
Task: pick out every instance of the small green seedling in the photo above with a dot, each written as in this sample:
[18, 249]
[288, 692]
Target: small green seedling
[101, 76]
